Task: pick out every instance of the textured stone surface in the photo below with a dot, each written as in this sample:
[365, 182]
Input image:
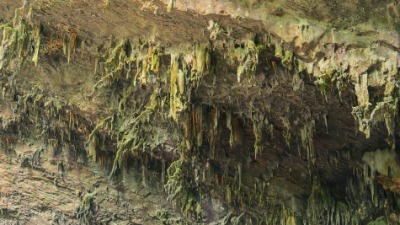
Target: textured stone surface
[237, 111]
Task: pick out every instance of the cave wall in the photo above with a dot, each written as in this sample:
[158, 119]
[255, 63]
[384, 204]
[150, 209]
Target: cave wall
[259, 112]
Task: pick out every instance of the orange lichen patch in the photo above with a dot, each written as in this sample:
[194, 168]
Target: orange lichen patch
[72, 40]
[101, 159]
[53, 45]
[273, 65]
[389, 183]
[193, 127]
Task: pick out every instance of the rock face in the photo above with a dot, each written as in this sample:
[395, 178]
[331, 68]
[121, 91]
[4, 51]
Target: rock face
[199, 112]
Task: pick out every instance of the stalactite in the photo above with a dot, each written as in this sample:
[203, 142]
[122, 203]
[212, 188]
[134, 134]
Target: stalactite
[237, 131]
[239, 171]
[36, 35]
[214, 131]
[286, 133]
[71, 45]
[247, 57]
[258, 123]
[202, 62]
[229, 126]
[133, 135]
[175, 102]
[144, 174]
[163, 175]
[307, 136]
[19, 40]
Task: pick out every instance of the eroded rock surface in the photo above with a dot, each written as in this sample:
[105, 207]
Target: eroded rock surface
[209, 112]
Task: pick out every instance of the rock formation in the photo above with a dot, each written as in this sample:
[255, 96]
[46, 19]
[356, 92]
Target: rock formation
[199, 112]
